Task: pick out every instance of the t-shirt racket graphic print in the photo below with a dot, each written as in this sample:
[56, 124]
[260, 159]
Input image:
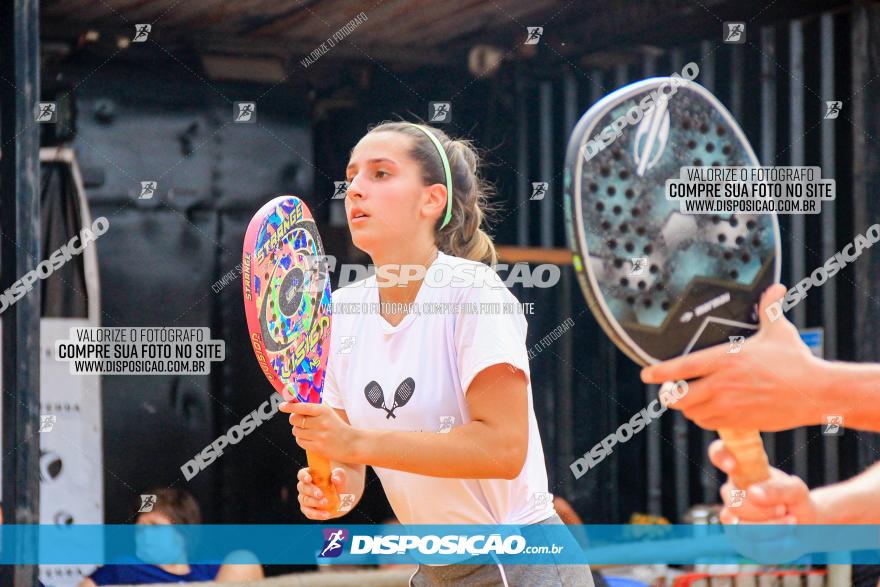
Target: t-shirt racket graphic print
[376, 397]
[414, 377]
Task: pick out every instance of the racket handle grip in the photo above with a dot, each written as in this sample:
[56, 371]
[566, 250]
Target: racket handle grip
[747, 448]
[319, 469]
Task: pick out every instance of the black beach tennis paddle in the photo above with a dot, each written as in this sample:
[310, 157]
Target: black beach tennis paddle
[662, 283]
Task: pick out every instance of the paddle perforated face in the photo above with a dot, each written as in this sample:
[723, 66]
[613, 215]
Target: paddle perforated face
[374, 395]
[287, 298]
[660, 282]
[404, 392]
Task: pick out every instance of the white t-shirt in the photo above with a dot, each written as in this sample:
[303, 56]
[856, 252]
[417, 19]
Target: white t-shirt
[414, 377]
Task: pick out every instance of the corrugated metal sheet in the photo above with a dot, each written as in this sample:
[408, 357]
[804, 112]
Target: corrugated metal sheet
[409, 30]
[393, 28]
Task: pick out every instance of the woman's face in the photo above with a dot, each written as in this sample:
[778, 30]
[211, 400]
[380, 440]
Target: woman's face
[159, 545]
[153, 519]
[387, 202]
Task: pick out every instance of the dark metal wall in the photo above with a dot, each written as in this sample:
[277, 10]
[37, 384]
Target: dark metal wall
[156, 121]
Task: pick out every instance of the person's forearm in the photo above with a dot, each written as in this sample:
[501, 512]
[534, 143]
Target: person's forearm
[471, 451]
[851, 390]
[851, 502]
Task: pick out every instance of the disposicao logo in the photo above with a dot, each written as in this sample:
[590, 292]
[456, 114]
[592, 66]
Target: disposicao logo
[334, 542]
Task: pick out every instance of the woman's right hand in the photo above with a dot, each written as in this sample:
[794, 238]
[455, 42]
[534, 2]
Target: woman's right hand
[312, 501]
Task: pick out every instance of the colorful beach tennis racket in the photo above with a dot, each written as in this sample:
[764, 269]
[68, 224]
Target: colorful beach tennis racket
[662, 283]
[287, 303]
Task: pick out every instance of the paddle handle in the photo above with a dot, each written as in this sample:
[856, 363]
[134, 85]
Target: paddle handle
[746, 446]
[319, 469]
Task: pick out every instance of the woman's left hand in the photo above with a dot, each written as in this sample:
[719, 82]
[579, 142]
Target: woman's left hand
[319, 429]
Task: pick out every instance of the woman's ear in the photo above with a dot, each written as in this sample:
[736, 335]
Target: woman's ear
[435, 204]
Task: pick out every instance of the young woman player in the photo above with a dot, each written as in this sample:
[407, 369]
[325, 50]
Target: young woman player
[437, 400]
